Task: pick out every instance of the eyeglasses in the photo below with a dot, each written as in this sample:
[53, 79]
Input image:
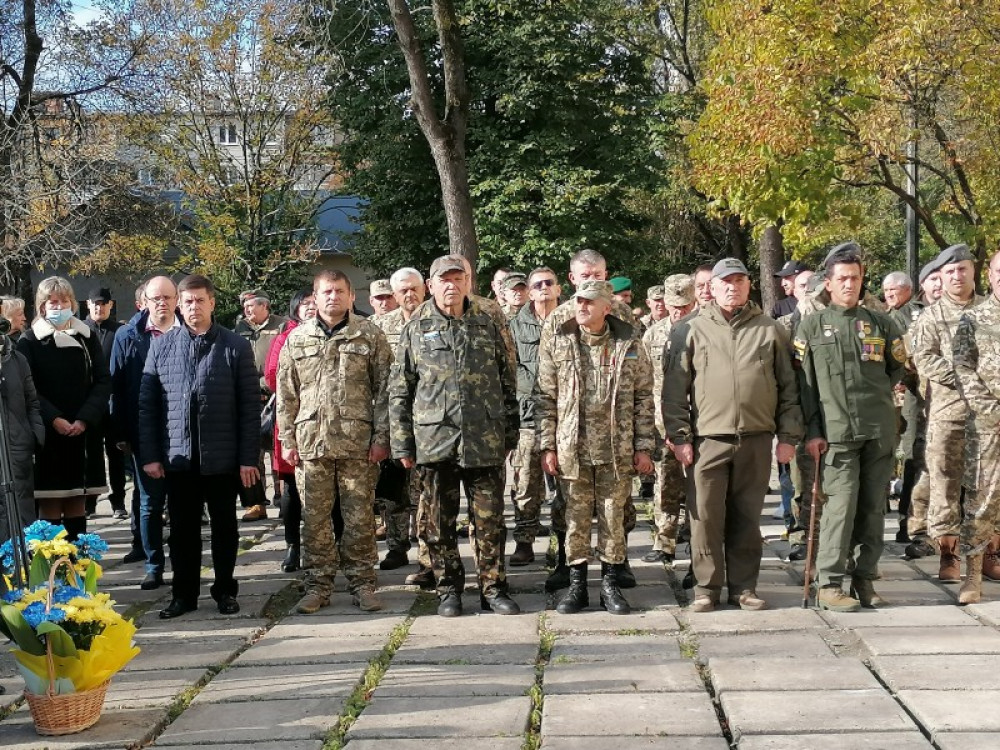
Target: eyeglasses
[161, 300]
[542, 283]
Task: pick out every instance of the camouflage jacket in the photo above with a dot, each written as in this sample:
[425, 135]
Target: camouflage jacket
[932, 352]
[976, 352]
[332, 399]
[452, 394]
[391, 324]
[657, 343]
[567, 311]
[559, 396]
[730, 378]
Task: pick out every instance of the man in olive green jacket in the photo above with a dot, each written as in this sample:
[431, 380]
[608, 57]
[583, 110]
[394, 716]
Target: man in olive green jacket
[728, 389]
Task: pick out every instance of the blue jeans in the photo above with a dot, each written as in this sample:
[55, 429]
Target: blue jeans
[152, 499]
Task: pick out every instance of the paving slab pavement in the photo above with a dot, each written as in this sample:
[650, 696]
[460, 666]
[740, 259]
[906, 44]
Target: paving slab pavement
[634, 743]
[604, 648]
[116, 729]
[458, 717]
[939, 671]
[311, 651]
[854, 741]
[736, 674]
[675, 676]
[282, 682]
[253, 721]
[780, 645]
[954, 710]
[626, 714]
[440, 743]
[149, 689]
[902, 617]
[922, 641]
[821, 711]
[740, 621]
[449, 680]
[966, 740]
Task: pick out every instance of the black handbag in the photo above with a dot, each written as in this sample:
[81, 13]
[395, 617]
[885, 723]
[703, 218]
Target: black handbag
[267, 424]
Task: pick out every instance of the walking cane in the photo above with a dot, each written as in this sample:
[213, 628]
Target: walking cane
[810, 537]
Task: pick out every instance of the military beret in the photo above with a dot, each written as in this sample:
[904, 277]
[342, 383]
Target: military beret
[729, 267]
[594, 289]
[447, 263]
[791, 268]
[620, 284]
[380, 288]
[678, 290]
[955, 254]
[514, 279]
[654, 292]
[929, 268]
[843, 247]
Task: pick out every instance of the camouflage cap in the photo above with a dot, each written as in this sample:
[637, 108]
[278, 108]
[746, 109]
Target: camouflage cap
[380, 288]
[655, 292]
[594, 289]
[254, 294]
[955, 254]
[678, 290]
[447, 263]
[514, 279]
[620, 284]
[729, 267]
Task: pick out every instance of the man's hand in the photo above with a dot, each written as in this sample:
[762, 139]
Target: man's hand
[154, 471]
[290, 456]
[684, 453]
[62, 426]
[407, 462]
[77, 428]
[249, 475]
[377, 454]
[816, 448]
[784, 453]
[550, 463]
[642, 462]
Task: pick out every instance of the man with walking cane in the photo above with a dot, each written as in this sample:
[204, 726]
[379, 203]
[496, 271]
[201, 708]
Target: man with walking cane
[849, 359]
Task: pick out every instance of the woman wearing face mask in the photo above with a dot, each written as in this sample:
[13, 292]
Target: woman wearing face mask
[74, 386]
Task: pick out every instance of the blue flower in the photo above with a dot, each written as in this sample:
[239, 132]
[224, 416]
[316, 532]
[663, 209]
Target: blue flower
[91, 546]
[42, 531]
[63, 594]
[7, 557]
[34, 614]
[12, 596]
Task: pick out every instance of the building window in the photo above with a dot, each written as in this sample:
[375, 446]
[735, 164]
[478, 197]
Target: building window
[227, 134]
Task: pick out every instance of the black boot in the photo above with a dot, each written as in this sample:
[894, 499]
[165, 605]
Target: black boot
[74, 527]
[576, 598]
[902, 536]
[292, 561]
[611, 595]
[625, 576]
[559, 578]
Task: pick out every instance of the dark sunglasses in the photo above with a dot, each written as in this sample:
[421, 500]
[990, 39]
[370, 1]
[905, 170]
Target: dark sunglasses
[543, 283]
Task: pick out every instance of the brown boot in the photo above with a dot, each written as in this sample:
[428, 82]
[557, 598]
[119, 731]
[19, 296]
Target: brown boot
[864, 591]
[971, 591]
[991, 560]
[950, 570]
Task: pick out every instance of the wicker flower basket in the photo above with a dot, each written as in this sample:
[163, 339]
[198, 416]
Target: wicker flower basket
[69, 713]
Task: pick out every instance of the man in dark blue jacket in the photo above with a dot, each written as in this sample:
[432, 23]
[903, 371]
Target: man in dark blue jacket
[128, 357]
[199, 427]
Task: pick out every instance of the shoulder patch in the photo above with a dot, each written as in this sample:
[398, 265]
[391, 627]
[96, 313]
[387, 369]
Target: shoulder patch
[898, 350]
[800, 346]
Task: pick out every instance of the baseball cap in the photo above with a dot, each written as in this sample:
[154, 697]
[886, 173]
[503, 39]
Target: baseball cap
[729, 267]
[655, 292]
[594, 289]
[791, 268]
[447, 263]
[379, 288]
[620, 284]
[678, 290]
[99, 294]
[512, 280]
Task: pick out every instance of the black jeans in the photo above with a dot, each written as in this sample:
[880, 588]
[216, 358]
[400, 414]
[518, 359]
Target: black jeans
[187, 493]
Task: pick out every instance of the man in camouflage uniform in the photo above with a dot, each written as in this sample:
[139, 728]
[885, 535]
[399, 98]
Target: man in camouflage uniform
[397, 487]
[515, 294]
[678, 298]
[333, 425]
[947, 411]
[381, 298]
[529, 487]
[594, 411]
[453, 410]
[657, 308]
[977, 372]
[586, 265]
[728, 390]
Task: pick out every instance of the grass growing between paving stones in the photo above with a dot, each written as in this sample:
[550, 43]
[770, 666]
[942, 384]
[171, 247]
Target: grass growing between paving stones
[546, 639]
[689, 650]
[359, 699]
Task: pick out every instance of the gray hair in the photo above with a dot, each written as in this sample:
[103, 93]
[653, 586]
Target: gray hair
[588, 257]
[898, 278]
[10, 305]
[400, 275]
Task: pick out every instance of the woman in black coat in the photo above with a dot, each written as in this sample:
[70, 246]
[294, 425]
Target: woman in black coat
[74, 385]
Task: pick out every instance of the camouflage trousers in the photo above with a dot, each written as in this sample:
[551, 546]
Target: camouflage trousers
[529, 487]
[393, 492]
[670, 497]
[559, 510]
[440, 502]
[321, 483]
[415, 489]
[945, 456]
[920, 495]
[981, 507]
[803, 477]
[599, 491]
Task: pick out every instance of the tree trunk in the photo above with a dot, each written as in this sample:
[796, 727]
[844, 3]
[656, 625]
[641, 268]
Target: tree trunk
[771, 251]
[737, 238]
[453, 172]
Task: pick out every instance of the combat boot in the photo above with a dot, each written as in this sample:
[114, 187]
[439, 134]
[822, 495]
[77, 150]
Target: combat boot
[863, 590]
[834, 599]
[611, 595]
[623, 572]
[991, 560]
[499, 602]
[576, 597]
[950, 568]
[366, 600]
[559, 577]
[919, 547]
[972, 590]
[312, 602]
[523, 554]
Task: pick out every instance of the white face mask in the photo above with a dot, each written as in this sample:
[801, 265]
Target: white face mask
[58, 317]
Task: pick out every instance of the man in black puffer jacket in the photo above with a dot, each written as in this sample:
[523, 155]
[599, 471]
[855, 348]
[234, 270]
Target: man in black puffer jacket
[199, 425]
